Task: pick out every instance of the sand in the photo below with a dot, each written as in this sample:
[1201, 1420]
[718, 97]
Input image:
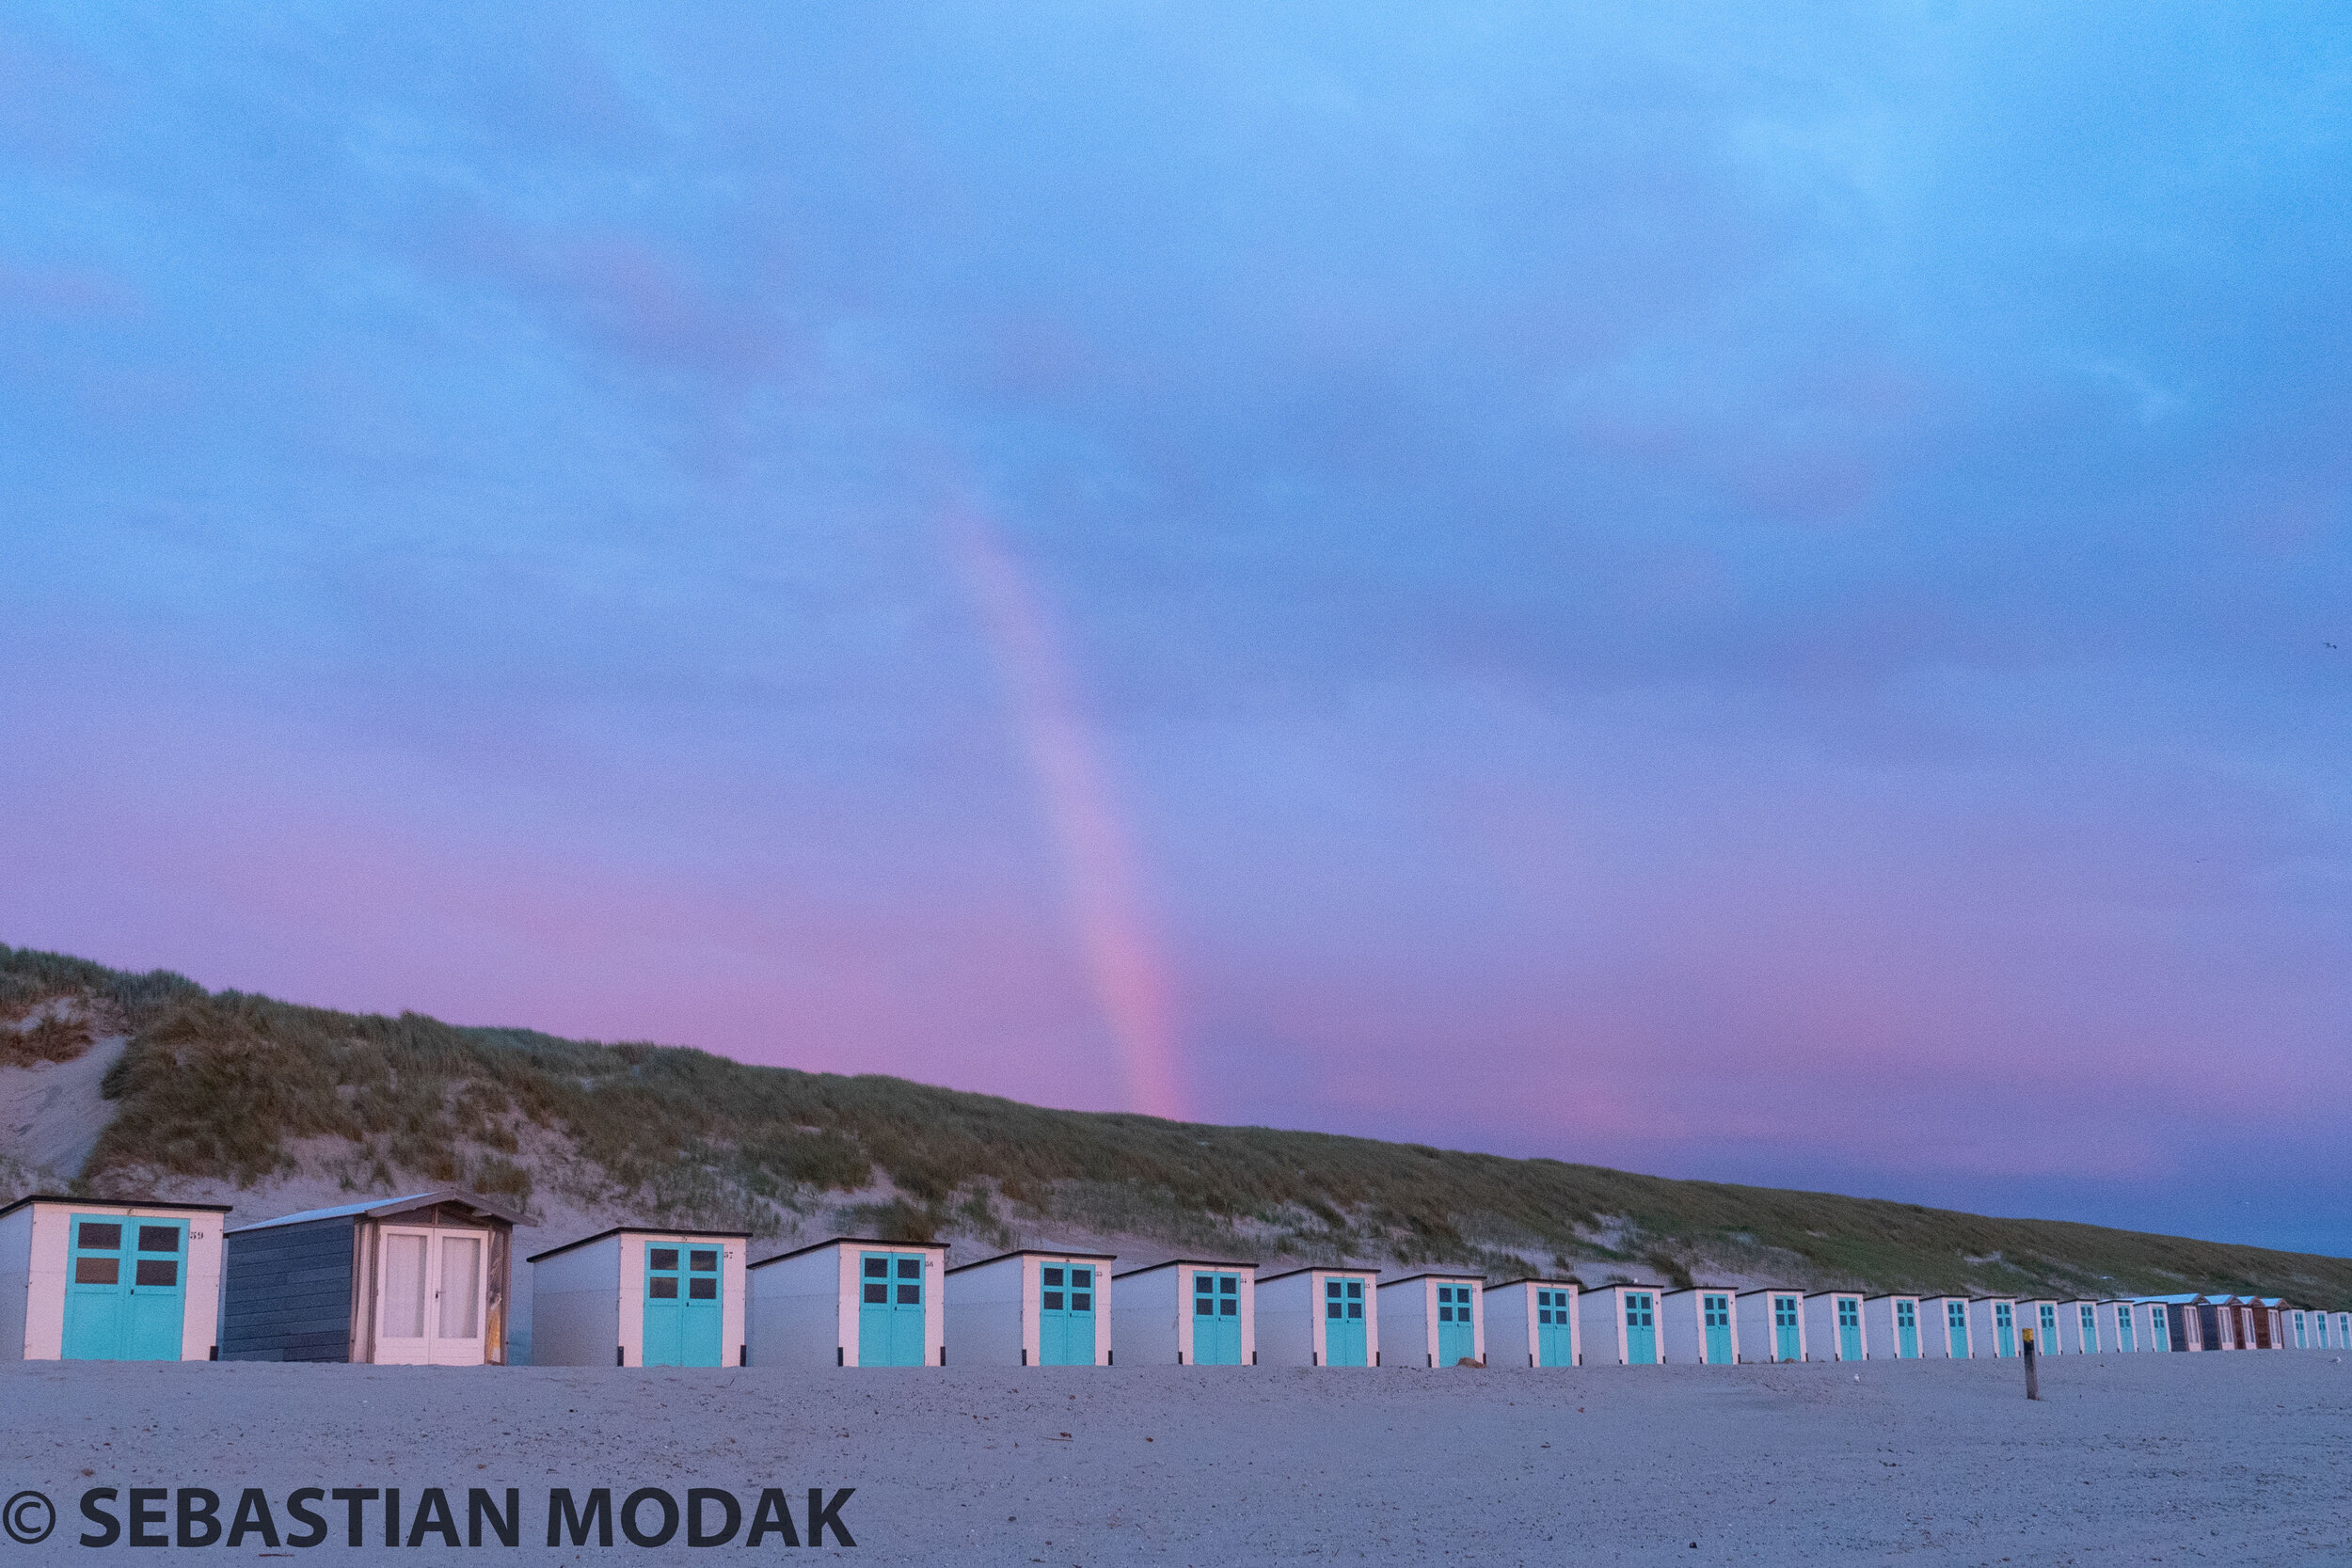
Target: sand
[2244, 1458]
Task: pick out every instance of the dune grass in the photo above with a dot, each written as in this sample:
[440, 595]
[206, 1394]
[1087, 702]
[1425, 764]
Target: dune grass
[232, 1086]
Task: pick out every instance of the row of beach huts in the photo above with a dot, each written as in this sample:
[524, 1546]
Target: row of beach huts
[427, 1279]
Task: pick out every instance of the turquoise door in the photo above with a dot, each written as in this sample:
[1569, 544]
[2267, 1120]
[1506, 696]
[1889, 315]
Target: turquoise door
[2003, 1329]
[1065, 1316]
[682, 1306]
[2301, 1341]
[1217, 1320]
[890, 1309]
[1458, 1336]
[1344, 1343]
[2124, 1338]
[1849, 1328]
[2160, 1329]
[2091, 1330]
[1956, 1328]
[1641, 1328]
[2049, 1329]
[1786, 1344]
[1715, 1314]
[1555, 1335]
[1907, 1330]
[126, 1290]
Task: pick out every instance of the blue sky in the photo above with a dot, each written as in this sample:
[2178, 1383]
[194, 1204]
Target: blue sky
[1737, 594]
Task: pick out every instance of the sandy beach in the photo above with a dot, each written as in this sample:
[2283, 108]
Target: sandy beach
[2240, 1458]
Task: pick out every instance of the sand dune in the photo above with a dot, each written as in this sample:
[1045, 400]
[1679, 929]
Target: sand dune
[2245, 1458]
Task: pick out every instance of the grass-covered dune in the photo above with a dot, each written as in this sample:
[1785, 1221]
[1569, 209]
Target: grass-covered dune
[242, 1089]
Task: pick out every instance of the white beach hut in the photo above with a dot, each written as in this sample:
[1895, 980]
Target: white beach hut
[2041, 1316]
[1619, 1324]
[1695, 1327]
[1833, 1328]
[1770, 1325]
[1319, 1317]
[632, 1297]
[421, 1280]
[1943, 1332]
[87, 1280]
[2079, 1325]
[1194, 1311]
[1433, 1315]
[1035, 1308]
[854, 1301]
[1893, 1324]
[2125, 1326]
[1992, 1326]
[1533, 1317]
[2155, 1324]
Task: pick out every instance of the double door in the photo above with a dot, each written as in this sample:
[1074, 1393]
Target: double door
[1956, 1329]
[1715, 1322]
[1907, 1330]
[685, 1317]
[1641, 1328]
[1787, 1338]
[1555, 1335]
[1215, 1319]
[891, 1309]
[1457, 1336]
[2003, 1329]
[431, 1296]
[126, 1290]
[1066, 1315]
[1345, 1339]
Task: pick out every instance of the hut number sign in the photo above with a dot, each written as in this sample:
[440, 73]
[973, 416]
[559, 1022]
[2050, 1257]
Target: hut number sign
[245, 1519]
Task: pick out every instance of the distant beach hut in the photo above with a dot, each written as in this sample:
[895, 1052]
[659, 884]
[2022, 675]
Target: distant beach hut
[2079, 1322]
[2125, 1325]
[1531, 1316]
[1319, 1317]
[1619, 1324]
[1437, 1314]
[872, 1303]
[1195, 1312]
[1834, 1325]
[1771, 1324]
[640, 1297]
[1033, 1308]
[421, 1280]
[1993, 1326]
[2041, 1316]
[1695, 1327]
[102, 1281]
[1893, 1322]
[1943, 1329]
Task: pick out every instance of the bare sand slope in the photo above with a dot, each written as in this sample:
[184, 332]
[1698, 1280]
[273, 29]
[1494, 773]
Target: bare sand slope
[2239, 1458]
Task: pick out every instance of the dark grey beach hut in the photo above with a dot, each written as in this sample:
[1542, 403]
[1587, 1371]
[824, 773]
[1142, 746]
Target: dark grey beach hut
[421, 1280]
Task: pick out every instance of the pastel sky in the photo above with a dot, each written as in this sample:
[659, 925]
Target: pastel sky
[1751, 592]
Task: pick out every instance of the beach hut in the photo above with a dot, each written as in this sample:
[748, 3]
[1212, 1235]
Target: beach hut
[2344, 1330]
[1618, 1323]
[1892, 1323]
[421, 1280]
[1695, 1327]
[1833, 1325]
[2126, 1326]
[2155, 1325]
[2078, 1322]
[1437, 1314]
[1943, 1329]
[1992, 1326]
[854, 1301]
[634, 1297]
[92, 1280]
[1195, 1312]
[1770, 1325]
[2043, 1317]
[1320, 1316]
[1536, 1314]
[1033, 1308]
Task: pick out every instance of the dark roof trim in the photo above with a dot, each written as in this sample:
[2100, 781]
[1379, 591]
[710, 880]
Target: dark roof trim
[1187, 1262]
[1040, 1252]
[940, 1247]
[120, 1203]
[1351, 1269]
[642, 1230]
[1433, 1274]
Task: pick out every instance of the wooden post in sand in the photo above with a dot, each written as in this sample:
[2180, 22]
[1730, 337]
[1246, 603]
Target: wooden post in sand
[2033, 1375]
